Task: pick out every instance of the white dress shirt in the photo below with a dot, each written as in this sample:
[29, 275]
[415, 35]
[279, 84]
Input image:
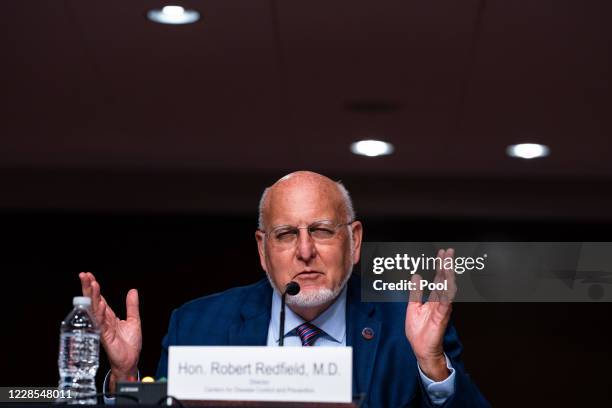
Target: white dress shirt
[333, 324]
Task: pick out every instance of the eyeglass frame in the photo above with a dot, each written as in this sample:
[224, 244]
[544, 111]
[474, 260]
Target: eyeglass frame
[336, 228]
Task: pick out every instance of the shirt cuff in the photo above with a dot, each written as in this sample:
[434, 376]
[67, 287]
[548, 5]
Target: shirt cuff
[111, 400]
[439, 391]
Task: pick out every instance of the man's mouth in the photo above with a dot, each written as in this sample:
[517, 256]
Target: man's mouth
[308, 275]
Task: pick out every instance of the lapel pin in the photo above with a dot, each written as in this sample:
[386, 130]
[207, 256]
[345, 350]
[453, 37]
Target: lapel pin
[367, 333]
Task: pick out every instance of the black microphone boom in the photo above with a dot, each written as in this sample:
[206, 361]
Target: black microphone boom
[292, 289]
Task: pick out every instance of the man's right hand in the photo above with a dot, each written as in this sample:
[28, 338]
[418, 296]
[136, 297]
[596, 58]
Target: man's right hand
[121, 339]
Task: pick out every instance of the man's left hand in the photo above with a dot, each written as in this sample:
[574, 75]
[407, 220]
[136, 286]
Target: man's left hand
[426, 322]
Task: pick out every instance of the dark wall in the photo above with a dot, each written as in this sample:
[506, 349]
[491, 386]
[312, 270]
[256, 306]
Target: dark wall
[548, 354]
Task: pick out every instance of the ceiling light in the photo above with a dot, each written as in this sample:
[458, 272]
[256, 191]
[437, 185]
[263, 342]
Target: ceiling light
[173, 15]
[528, 150]
[372, 148]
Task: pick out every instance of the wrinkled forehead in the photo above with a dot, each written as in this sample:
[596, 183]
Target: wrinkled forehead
[303, 202]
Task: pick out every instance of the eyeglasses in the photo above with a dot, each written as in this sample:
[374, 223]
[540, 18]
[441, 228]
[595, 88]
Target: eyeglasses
[319, 231]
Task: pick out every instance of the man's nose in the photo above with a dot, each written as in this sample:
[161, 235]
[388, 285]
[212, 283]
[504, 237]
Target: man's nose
[306, 249]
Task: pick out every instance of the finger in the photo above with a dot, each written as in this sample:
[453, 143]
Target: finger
[440, 256]
[109, 313]
[95, 295]
[415, 295]
[444, 309]
[100, 316]
[98, 306]
[450, 254]
[85, 284]
[110, 322]
[91, 279]
[91, 276]
[440, 265]
[131, 305]
[434, 296]
[439, 275]
[452, 284]
[448, 295]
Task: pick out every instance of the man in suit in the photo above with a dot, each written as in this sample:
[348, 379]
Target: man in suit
[403, 355]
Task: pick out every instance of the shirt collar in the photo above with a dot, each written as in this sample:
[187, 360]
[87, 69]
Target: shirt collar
[332, 321]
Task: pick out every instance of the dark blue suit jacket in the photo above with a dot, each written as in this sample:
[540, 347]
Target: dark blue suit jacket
[384, 368]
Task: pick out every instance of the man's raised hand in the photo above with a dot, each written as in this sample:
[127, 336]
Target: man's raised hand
[426, 322]
[121, 339]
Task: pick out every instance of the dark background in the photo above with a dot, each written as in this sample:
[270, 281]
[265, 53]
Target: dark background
[138, 151]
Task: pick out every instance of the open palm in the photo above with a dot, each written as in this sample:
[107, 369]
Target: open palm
[121, 339]
[426, 322]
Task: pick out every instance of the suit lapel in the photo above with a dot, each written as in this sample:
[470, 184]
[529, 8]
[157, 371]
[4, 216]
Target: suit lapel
[252, 330]
[360, 316]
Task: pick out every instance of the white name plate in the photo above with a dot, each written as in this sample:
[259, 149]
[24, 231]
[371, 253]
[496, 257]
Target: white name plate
[296, 374]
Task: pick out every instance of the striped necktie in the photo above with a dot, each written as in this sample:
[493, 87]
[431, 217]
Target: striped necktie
[308, 333]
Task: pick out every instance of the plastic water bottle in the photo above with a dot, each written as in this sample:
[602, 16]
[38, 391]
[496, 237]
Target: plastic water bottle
[79, 354]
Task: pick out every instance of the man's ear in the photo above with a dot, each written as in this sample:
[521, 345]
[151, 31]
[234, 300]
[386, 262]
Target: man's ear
[260, 237]
[357, 231]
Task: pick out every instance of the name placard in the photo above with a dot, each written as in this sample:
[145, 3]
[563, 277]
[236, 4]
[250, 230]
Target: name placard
[299, 374]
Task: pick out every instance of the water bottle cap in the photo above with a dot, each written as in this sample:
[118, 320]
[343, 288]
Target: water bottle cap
[81, 301]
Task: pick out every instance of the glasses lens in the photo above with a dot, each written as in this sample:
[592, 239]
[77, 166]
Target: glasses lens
[285, 234]
[319, 231]
[322, 231]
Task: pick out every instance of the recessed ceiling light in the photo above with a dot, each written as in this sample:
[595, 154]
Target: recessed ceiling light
[528, 150]
[173, 15]
[372, 148]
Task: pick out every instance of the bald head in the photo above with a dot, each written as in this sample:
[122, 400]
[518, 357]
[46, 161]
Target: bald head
[320, 259]
[302, 191]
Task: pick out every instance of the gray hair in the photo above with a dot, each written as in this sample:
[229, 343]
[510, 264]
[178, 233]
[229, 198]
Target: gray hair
[346, 198]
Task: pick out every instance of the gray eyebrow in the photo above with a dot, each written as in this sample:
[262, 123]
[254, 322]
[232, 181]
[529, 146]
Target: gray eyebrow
[295, 226]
